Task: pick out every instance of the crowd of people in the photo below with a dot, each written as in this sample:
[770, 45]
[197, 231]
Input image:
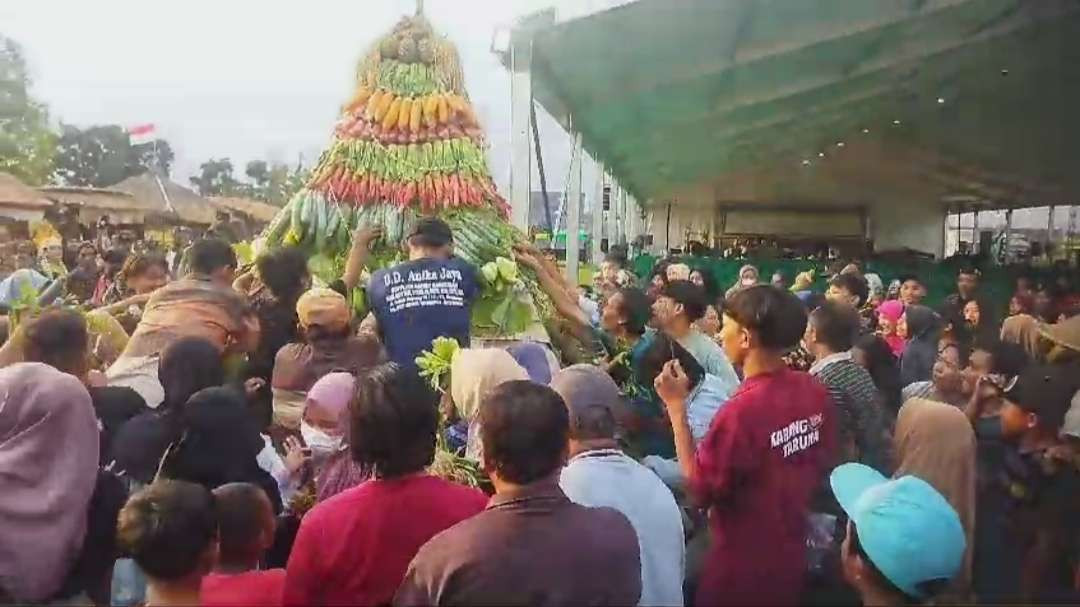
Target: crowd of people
[202, 433]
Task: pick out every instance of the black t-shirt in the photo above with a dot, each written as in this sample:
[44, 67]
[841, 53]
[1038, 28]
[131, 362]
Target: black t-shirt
[1023, 497]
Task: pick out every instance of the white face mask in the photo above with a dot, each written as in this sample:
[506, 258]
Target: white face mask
[320, 443]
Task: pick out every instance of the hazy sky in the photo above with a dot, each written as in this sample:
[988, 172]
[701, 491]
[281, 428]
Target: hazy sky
[251, 79]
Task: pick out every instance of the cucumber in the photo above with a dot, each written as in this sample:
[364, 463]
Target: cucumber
[333, 218]
[320, 226]
[275, 232]
[297, 222]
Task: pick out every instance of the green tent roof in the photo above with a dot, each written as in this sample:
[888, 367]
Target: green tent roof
[828, 102]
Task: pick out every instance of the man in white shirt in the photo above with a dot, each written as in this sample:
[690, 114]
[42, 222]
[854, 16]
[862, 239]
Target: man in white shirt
[599, 474]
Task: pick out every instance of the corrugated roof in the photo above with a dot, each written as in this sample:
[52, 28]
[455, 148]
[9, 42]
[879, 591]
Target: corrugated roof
[255, 209]
[182, 203]
[16, 193]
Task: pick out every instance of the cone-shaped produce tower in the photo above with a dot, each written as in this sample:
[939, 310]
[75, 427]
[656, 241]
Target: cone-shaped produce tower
[408, 144]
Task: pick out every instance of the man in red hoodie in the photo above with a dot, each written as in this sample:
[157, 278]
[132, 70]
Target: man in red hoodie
[766, 453]
[246, 528]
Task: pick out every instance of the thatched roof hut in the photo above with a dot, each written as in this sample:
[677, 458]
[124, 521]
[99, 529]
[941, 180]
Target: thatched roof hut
[93, 203]
[170, 200]
[20, 201]
[255, 210]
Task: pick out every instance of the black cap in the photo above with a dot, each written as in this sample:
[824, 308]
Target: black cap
[1045, 390]
[431, 232]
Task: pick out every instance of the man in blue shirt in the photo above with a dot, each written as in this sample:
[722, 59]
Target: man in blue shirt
[429, 296]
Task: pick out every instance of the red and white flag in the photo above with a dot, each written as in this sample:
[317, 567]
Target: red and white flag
[143, 133]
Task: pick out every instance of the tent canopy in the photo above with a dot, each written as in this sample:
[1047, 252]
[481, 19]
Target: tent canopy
[839, 103]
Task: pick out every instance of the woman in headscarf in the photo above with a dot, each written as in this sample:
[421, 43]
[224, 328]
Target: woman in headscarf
[474, 373]
[935, 442]
[876, 288]
[1023, 330]
[804, 282]
[923, 328]
[48, 471]
[323, 426]
[188, 365]
[218, 444]
[536, 360]
[748, 277]
[889, 314]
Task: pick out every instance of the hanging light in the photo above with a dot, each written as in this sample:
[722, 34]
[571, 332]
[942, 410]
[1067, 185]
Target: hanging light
[839, 144]
[806, 162]
[896, 122]
[821, 154]
[865, 131]
[940, 100]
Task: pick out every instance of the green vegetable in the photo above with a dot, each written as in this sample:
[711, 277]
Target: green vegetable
[434, 364]
[490, 271]
[507, 269]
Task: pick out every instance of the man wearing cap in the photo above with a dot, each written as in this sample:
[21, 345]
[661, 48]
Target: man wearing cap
[904, 541]
[599, 474]
[1028, 501]
[328, 346]
[429, 296]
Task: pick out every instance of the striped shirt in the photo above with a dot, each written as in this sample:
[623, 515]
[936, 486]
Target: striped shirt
[861, 421]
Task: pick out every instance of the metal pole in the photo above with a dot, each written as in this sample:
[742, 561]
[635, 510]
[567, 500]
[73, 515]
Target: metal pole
[632, 216]
[598, 215]
[620, 218]
[573, 213]
[1049, 230]
[612, 214]
[667, 231]
[521, 104]
[1008, 236]
[540, 170]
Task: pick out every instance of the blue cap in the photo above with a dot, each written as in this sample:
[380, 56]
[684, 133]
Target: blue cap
[909, 531]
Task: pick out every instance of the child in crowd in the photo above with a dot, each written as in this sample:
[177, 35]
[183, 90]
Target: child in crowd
[247, 524]
[170, 530]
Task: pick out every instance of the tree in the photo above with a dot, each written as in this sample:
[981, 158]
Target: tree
[269, 183]
[216, 179]
[259, 172]
[27, 144]
[100, 156]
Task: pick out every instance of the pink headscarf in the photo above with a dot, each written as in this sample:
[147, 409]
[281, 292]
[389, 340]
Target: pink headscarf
[48, 470]
[893, 310]
[332, 393]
